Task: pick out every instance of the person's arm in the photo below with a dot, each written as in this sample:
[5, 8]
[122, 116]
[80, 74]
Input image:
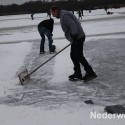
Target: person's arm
[71, 24]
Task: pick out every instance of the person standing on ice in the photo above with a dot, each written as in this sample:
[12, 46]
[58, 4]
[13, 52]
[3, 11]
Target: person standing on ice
[75, 34]
[46, 28]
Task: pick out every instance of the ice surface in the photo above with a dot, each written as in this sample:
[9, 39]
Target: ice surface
[49, 98]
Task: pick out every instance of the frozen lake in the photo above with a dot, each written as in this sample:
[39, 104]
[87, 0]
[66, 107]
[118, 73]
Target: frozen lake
[49, 91]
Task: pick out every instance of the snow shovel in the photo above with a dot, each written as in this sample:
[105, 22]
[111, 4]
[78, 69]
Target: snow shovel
[25, 76]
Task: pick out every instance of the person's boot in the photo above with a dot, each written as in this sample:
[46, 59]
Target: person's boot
[75, 76]
[42, 52]
[89, 77]
[53, 49]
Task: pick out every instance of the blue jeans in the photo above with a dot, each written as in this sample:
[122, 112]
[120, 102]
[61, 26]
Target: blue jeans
[43, 31]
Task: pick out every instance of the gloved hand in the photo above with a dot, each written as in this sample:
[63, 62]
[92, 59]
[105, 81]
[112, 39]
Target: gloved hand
[75, 38]
[51, 34]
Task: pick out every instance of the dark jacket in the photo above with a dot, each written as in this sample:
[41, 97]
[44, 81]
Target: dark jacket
[48, 24]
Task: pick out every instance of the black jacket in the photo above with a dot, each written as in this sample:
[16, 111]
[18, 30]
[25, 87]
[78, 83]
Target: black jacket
[48, 24]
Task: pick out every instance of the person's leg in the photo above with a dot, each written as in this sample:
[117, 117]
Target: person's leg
[42, 44]
[41, 32]
[89, 71]
[81, 58]
[50, 40]
[77, 70]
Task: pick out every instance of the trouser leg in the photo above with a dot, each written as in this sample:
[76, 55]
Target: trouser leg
[75, 61]
[78, 57]
[81, 58]
[41, 32]
[42, 43]
[50, 40]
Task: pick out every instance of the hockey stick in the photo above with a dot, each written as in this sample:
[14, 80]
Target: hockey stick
[24, 76]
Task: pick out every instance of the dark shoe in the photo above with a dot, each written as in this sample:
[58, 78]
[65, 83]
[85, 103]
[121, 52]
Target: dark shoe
[75, 76]
[88, 77]
[52, 52]
[41, 52]
[53, 49]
